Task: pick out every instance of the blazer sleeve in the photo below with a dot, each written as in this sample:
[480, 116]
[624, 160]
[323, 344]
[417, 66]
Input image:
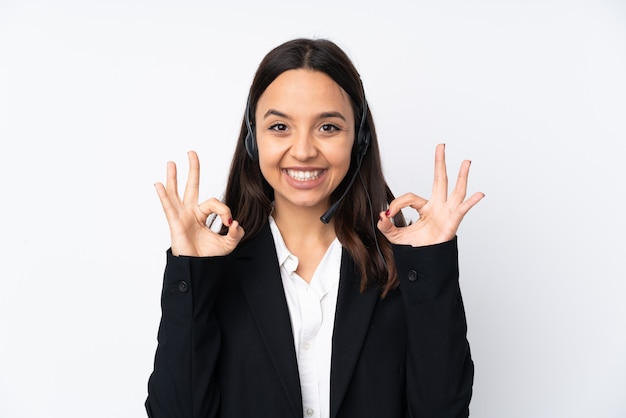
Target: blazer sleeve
[439, 368]
[183, 383]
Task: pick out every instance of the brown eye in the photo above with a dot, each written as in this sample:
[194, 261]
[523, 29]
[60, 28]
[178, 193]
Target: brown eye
[278, 127]
[329, 127]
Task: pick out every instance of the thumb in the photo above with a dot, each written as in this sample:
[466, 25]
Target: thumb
[234, 235]
[385, 225]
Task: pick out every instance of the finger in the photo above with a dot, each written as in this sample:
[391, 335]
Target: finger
[440, 183]
[169, 209]
[162, 193]
[193, 180]
[385, 225]
[460, 189]
[215, 206]
[234, 235]
[404, 201]
[171, 182]
[389, 230]
[471, 202]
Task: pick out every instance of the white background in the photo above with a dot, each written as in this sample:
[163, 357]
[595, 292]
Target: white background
[95, 97]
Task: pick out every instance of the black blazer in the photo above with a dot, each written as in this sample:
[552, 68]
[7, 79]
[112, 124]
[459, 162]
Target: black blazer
[225, 343]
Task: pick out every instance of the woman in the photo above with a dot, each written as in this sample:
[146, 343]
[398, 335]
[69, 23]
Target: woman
[284, 315]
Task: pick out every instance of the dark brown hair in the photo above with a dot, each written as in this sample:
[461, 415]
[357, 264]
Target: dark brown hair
[249, 195]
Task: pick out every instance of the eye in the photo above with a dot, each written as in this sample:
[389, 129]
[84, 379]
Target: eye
[329, 128]
[278, 127]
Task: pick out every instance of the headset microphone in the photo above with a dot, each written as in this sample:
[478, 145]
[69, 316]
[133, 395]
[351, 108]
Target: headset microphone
[331, 210]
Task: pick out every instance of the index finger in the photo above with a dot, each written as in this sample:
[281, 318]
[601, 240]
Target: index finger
[406, 200]
[213, 205]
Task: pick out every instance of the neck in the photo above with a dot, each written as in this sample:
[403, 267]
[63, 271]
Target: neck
[302, 227]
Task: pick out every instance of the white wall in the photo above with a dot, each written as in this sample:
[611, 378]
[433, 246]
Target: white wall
[95, 97]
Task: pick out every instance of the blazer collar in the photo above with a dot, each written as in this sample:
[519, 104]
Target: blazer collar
[352, 318]
[263, 289]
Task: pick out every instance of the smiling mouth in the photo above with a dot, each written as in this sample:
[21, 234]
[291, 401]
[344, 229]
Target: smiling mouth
[304, 175]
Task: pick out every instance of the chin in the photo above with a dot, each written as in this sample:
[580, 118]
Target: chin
[310, 203]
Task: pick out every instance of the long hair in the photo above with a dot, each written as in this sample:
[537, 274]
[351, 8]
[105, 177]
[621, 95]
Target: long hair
[249, 195]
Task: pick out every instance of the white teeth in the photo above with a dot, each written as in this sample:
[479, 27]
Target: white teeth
[304, 175]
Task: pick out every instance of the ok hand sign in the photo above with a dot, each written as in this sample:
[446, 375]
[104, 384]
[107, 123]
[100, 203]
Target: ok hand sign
[187, 218]
[439, 217]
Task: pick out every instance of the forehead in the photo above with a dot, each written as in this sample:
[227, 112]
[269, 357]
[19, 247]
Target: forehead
[305, 91]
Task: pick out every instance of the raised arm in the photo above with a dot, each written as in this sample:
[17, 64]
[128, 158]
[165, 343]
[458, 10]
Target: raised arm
[183, 383]
[439, 366]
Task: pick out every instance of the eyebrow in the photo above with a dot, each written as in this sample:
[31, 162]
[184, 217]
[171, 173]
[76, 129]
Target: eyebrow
[322, 115]
[325, 115]
[275, 113]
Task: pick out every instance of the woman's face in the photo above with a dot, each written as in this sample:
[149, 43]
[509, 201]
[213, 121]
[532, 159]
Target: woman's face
[305, 131]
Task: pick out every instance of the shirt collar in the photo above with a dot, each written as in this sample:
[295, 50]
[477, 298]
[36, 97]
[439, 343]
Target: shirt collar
[327, 273]
[285, 258]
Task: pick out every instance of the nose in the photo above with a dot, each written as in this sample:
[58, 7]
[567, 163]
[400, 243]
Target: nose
[303, 146]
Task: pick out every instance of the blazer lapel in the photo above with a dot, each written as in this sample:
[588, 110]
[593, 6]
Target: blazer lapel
[352, 318]
[263, 289]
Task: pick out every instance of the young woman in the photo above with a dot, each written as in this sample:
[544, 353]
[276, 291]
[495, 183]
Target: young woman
[315, 300]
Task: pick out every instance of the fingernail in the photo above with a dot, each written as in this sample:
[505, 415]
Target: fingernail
[230, 221]
[387, 213]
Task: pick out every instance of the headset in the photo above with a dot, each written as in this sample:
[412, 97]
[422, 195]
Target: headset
[363, 138]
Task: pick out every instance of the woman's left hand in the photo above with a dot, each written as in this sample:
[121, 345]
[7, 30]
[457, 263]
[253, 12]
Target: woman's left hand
[439, 217]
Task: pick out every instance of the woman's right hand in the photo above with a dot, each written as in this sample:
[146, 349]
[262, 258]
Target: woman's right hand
[187, 218]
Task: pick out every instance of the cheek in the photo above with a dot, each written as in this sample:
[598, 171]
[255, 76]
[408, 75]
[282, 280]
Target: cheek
[341, 158]
[268, 155]
[266, 169]
[269, 165]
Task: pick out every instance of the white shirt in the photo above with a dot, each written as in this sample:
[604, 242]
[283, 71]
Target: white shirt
[312, 311]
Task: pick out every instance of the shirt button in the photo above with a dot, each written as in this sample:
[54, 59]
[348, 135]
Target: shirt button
[309, 412]
[307, 347]
[412, 275]
[183, 287]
